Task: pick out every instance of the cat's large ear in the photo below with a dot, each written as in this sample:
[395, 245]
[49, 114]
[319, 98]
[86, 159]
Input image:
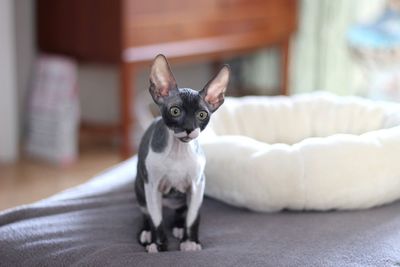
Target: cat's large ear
[214, 92]
[162, 81]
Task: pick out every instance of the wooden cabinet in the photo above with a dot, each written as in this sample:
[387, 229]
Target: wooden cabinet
[132, 32]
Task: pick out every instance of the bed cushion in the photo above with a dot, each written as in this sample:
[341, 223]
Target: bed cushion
[312, 151]
[95, 225]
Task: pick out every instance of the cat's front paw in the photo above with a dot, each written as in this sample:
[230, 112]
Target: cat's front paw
[155, 248]
[152, 248]
[190, 246]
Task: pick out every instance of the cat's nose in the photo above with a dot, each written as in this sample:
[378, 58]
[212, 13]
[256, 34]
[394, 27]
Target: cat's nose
[188, 131]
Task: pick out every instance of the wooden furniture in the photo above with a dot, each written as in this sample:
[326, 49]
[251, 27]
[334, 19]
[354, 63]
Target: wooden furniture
[130, 33]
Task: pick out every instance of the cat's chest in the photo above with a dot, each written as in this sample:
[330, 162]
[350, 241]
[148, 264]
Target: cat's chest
[177, 165]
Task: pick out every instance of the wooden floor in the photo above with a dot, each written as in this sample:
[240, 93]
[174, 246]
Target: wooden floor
[29, 180]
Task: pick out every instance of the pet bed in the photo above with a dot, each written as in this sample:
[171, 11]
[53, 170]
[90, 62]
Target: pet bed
[95, 224]
[314, 152]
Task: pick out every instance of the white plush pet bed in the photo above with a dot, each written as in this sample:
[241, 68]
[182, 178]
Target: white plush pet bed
[314, 152]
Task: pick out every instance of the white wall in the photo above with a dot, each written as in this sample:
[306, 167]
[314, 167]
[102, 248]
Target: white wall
[25, 46]
[8, 90]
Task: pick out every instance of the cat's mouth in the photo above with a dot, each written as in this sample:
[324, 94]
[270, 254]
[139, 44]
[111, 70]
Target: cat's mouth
[187, 137]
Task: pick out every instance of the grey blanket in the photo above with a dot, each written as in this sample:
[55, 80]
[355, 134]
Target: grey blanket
[95, 224]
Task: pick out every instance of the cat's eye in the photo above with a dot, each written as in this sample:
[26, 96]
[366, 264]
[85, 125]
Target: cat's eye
[175, 111]
[202, 115]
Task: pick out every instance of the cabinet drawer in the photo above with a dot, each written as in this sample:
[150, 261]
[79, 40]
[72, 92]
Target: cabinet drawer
[151, 21]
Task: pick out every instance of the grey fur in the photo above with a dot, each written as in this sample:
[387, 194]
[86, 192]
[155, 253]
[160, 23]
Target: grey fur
[143, 151]
[159, 136]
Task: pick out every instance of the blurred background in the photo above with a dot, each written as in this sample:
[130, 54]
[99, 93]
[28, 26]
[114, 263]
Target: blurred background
[74, 74]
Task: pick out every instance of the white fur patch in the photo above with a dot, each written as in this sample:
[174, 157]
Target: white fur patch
[145, 237]
[177, 232]
[196, 199]
[195, 133]
[180, 135]
[179, 164]
[190, 246]
[152, 248]
[153, 199]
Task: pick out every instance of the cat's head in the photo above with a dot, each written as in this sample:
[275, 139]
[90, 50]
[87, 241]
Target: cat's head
[185, 111]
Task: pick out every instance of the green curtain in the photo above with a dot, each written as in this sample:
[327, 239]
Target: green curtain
[320, 58]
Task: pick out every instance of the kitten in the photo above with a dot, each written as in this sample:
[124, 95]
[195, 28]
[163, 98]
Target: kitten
[170, 161]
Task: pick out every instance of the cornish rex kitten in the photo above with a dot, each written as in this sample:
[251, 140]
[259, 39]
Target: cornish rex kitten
[171, 162]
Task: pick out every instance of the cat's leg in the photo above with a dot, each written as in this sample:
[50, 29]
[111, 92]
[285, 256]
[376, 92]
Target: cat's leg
[144, 233]
[190, 241]
[179, 222]
[154, 208]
